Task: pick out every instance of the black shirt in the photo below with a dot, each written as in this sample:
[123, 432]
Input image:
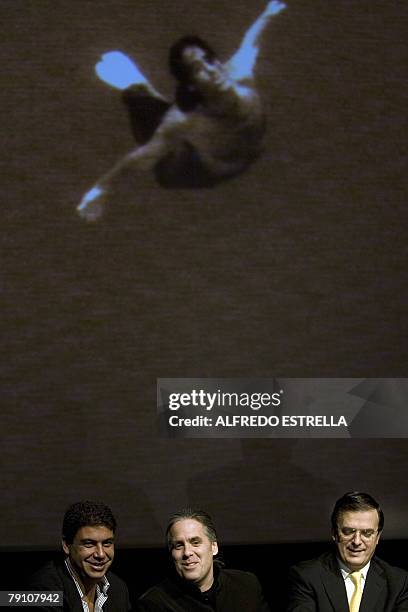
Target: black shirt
[232, 591]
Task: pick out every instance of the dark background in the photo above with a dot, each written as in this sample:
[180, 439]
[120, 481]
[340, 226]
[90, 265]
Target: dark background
[295, 269]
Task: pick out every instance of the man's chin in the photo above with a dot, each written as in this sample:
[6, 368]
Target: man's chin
[356, 562]
[190, 575]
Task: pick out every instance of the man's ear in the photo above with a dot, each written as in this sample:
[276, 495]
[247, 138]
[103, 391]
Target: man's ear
[335, 536]
[214, 548]
[65, 547]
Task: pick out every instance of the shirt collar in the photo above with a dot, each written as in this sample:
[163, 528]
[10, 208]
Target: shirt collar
[345, 571]
[103, 585]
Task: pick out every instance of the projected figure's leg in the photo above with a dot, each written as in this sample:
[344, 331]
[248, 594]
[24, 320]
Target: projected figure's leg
[146, 106]
[241, 66]
[143, 158]
[119, 71]
[146, 112]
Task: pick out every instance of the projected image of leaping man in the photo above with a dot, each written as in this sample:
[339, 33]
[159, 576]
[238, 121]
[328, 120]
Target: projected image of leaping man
[212, 131]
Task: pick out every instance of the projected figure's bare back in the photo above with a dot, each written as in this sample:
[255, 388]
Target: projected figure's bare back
[214, 129]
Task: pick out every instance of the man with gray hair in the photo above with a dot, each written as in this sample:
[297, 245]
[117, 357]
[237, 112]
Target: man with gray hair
[199, 582]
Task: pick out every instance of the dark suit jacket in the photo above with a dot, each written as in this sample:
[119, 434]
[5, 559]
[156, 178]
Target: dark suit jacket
[55, 577]
[318, 586]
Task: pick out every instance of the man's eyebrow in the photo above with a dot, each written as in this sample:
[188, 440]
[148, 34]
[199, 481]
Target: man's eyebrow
[87, 540]
[91, 541]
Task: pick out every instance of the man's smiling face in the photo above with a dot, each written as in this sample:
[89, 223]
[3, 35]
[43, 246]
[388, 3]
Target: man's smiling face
[192, 552]
[356, 537]
[91, 552]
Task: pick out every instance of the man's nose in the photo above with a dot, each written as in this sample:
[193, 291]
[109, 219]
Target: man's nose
[357, 537]
[99, 550]
[188, 551]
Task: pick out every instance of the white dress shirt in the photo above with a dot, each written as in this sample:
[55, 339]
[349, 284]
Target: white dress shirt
[348, 583]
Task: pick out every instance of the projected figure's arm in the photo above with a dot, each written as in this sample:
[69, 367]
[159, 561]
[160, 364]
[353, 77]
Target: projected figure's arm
[92, 205]
[140, 159]
[241, 66]
[119, 71]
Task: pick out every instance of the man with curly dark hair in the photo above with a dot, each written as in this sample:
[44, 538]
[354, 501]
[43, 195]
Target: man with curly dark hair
[84, 577]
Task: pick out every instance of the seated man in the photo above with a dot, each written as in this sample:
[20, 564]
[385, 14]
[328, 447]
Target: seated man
[350, 577]
[199, 582]
[88, 534]
[212, 132]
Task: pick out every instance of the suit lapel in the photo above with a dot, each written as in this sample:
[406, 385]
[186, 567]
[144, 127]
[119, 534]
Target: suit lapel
[373, 587]
[333, 584]
[72, 599]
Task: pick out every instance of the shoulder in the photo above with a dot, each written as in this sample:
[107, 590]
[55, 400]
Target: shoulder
[238, 579]
[392, 572]
[115, 581]
[313, 567]
[159, 596]
[55, 577]
[240, 590]
[238, 576]
[51, 576]
[166, 586]
[173, 121]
